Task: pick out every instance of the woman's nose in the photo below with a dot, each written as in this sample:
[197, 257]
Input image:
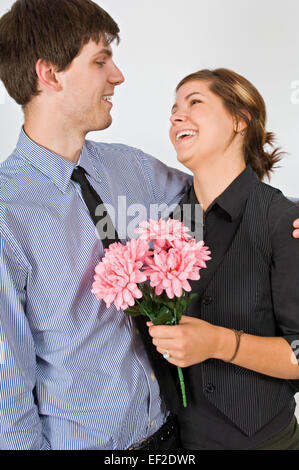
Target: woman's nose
[177, 117]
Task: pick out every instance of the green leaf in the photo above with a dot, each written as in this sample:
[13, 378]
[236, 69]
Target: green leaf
[163, 316]
[133, 311]
[159, 308]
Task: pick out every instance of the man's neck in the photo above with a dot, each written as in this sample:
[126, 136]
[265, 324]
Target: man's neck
[56, 136]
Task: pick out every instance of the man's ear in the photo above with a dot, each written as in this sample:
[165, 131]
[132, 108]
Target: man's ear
[47, 75]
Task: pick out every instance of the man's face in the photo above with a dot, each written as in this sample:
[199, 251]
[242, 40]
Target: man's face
[87, 85]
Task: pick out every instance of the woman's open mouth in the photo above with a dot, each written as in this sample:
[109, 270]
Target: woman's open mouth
[186, 134]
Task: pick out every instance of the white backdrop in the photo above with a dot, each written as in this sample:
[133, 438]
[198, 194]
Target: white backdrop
[164, 40]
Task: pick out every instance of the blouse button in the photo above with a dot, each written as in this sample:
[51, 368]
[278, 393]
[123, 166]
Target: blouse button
[210, 388]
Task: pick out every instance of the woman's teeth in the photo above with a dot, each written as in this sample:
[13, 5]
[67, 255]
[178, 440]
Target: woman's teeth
[184, 134]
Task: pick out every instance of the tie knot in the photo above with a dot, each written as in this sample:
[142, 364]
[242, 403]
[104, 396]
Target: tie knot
[78, 174]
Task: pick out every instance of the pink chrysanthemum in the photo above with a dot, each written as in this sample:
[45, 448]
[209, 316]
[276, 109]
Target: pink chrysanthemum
[163, 232]
[170, 270]
[117, 275]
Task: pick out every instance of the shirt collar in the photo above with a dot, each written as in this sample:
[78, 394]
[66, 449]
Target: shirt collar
[56, 168]
[85, 161]
[235, 195]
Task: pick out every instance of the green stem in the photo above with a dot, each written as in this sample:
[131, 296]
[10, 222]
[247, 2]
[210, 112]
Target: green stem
[143, 310]
[182, 384]
[180, 372]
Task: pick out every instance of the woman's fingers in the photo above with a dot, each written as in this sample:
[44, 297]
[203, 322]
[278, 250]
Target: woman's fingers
[163, 331]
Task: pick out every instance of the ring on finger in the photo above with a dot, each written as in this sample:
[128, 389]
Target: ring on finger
[166, 355]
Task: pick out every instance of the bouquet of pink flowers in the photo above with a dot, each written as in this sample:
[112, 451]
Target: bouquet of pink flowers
[158, 275]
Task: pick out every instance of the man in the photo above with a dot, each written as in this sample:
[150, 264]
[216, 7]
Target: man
[74, 375]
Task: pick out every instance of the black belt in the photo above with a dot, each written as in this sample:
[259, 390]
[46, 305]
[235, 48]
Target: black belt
[167, 437]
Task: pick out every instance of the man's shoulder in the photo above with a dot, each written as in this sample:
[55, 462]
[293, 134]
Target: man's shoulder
[114, 150]
[134, 157]
[164, 184]
[12, 172]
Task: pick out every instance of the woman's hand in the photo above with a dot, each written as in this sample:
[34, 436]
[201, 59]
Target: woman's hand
[191, 342]
[296, 226]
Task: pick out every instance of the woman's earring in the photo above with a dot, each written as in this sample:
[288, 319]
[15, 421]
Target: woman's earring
[243, 133]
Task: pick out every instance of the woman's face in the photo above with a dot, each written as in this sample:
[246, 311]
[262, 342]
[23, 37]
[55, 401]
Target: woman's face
[201, 127]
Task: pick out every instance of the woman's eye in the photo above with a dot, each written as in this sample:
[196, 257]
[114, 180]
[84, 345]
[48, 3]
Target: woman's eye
[100, 64]
[195, 102]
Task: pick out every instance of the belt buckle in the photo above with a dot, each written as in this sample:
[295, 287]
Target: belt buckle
[160, 435]
[137, 445]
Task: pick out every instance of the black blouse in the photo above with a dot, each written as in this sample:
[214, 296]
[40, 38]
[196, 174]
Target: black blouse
[203, 426]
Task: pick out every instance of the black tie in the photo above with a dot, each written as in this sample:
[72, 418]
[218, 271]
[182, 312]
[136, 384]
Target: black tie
[92, 201]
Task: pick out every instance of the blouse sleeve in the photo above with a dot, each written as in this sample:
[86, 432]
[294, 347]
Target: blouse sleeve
[285, 272]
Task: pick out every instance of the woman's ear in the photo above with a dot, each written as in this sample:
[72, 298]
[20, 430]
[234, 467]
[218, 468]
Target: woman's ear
[47, 75]
[242, 121]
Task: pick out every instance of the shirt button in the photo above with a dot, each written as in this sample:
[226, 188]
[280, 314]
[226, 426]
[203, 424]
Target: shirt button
[207, 300]
[137, 332]
[209, 388]
[153, 377]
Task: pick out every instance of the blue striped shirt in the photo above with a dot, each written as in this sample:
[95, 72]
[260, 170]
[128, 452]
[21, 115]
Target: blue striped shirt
[74, 374]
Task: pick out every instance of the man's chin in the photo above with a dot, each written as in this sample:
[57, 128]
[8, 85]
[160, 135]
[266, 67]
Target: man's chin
[101, 126]
[106, 124]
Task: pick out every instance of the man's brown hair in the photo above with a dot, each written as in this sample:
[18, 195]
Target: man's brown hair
[53, 30]
[243, 101]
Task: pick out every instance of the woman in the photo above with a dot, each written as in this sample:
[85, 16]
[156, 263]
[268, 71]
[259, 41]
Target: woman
[239, 338]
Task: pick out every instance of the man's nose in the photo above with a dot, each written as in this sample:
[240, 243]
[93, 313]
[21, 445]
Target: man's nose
[116, 77]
